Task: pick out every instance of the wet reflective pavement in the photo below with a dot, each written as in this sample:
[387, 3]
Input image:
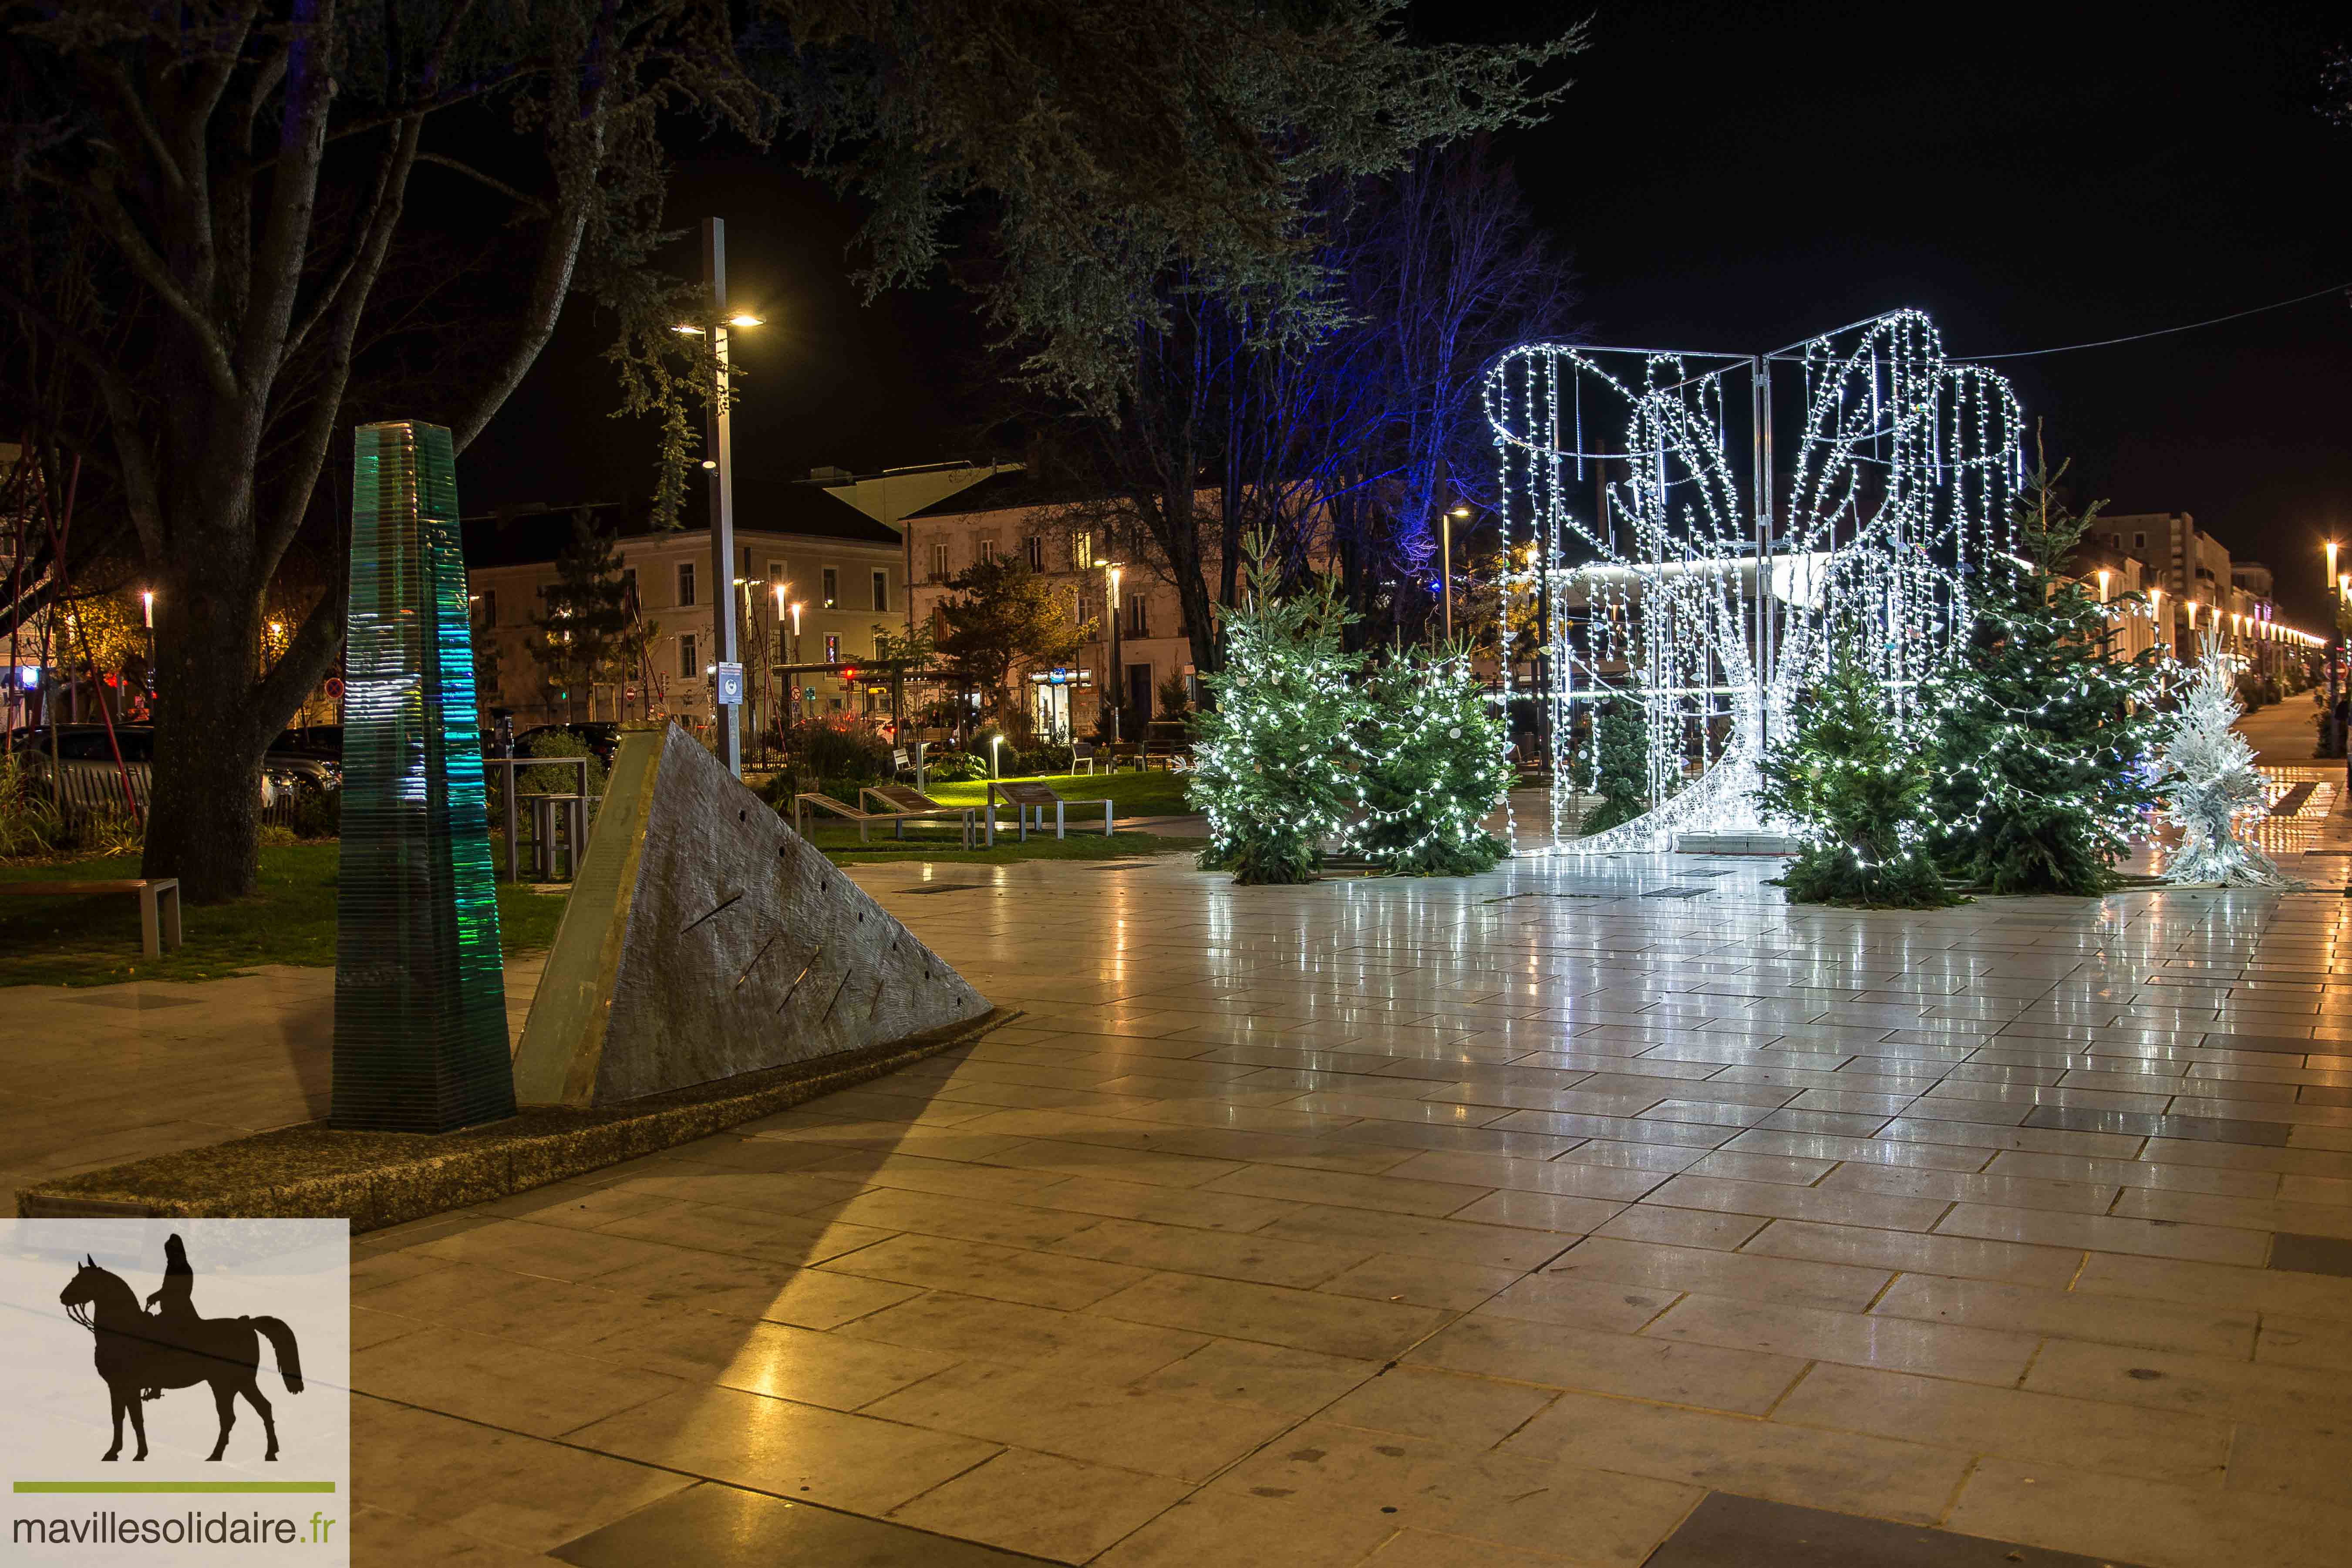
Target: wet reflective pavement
[1588, 1212]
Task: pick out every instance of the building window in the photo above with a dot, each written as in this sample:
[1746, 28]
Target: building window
[832, 587]
[881, 590]
[833, 647]
[629, 587]
[939, 561]
[775, 574]
[1138, 620]
[489, 607]
[983, 546]
[2139, 541]
[1082, 550]
[1033, 548]
[1084, 608]
[685, 584]
[688, 666]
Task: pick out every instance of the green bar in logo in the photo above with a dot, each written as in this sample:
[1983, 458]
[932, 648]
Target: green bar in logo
[151, 1487]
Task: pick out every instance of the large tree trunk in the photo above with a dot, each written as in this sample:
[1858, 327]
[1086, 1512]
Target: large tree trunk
[204, 826]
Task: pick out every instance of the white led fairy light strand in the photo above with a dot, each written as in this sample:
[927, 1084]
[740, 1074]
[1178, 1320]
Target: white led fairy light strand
[1904, 472]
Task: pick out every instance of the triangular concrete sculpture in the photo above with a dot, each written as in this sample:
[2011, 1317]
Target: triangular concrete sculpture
[705, 939]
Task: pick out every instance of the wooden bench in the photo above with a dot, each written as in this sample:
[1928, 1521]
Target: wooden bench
[813, 801]
[1024, 798]
[154, 925]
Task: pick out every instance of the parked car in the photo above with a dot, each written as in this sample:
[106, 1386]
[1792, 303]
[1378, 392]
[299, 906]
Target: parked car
[85, 759]
[601, 739]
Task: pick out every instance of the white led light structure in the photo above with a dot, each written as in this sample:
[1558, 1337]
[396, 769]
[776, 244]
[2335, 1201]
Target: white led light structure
[1659, 578]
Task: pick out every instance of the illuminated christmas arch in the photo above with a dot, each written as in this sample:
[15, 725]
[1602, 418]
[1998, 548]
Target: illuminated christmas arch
[1657, 574]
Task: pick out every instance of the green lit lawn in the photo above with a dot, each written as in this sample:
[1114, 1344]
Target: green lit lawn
[1155, 793]
[929, 842]
[93, 940]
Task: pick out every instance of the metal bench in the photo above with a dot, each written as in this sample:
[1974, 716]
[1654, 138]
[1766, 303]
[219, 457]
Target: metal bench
[909, 805]
[813, 801]
[1026, 798]
[155, 924]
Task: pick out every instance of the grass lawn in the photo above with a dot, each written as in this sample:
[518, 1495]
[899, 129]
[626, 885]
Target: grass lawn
[840, 845]
[1155, 793]
[93, 939]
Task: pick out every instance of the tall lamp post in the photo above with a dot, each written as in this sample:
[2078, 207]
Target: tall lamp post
[727, 659]
[147, 604]
[1445, 565]
[1118, 675]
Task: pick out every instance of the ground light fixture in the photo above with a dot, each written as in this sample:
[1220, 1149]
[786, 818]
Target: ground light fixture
[993, 742]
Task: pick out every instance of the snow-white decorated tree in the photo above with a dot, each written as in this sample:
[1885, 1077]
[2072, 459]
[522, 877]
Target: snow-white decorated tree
[2210, 779]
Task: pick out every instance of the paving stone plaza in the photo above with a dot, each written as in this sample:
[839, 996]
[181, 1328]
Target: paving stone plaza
[1610, 1213]
[1589, 1212]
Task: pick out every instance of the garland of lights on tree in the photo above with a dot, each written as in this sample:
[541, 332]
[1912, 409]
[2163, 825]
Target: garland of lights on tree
[2041, 735]
[1859, 796]
[1436, 766]
[2211, 782]
[1661, 580]
[1271, 759]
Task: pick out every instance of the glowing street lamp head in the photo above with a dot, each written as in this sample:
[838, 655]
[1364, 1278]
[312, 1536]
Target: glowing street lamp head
[745, 320]
[691, 329]
[2103, 576]
[1459, 512]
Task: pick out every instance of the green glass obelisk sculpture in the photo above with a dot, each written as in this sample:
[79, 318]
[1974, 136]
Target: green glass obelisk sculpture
[420, 993]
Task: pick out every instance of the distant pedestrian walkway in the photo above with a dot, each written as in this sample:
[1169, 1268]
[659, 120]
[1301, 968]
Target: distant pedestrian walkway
[2282, 734]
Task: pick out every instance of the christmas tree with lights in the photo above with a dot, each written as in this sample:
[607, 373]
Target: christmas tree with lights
[1271, 761]
[1859, 792]
[2210, 779]
[1620, 744]
[1434, 768]
[2043, 734]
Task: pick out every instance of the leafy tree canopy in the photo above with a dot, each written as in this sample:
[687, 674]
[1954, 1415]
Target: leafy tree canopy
[238, 227]
[1004, 620]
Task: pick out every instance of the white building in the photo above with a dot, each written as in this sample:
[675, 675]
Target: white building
[1004, 515]
[794, 545]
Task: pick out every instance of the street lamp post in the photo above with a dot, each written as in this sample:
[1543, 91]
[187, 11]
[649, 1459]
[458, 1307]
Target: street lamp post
[1445, 565]
[147, 604]
[1118, 675]
[726, 662]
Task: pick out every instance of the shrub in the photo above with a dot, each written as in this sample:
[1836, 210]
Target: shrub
[318, 809]
[560, 780]
[837, 746]
[29, 822]
[953, 768]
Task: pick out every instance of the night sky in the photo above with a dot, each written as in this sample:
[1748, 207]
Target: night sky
[1727, 179]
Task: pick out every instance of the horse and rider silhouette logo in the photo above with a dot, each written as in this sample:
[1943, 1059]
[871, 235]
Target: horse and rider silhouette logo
[141, 1353]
